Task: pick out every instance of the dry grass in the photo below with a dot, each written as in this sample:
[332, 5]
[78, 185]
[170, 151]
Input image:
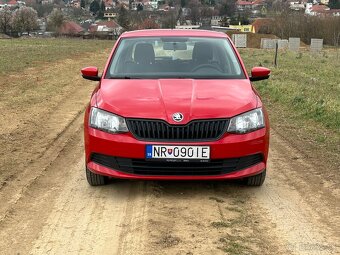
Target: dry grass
[303, 99]
[19, 54]
[34, 101]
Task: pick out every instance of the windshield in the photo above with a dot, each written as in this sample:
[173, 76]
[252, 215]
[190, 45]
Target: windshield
[174, 57]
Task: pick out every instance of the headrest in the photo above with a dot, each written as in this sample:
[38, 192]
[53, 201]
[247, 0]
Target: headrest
[144, 53]
[202, 52]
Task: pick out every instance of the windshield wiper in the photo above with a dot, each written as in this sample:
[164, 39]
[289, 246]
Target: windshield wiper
[125, 77]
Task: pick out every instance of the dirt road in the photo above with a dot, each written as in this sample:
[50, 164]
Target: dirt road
[48, 208]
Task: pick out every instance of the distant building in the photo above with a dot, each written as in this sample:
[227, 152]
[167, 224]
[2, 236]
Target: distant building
[216, 20]
[70, 28]
[321, 10]
[243, 28]
[110, 14]
[188, 26]
[297, 5]
[256, 7]
[11, 3]
[106, 26]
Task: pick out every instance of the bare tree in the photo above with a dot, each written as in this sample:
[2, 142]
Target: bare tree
[55, 20]
[5, 20]
[290, 24]
[25, 19]
[195, 11]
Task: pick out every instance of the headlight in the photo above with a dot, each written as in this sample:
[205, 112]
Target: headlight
[107, 122]
[247, 122]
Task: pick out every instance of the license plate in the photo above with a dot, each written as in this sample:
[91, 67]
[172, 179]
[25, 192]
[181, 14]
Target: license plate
[178, 153]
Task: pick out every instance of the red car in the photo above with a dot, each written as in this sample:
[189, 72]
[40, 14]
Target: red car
[175, 105]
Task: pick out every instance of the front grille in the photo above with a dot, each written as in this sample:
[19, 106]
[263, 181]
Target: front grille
[158, 130]
[145, 167]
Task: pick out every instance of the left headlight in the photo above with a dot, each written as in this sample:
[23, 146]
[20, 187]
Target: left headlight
[107, 122]
[247, 122]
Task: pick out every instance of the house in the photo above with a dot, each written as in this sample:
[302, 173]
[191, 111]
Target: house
[9, 4]
[2, 5]
[255, 7]
[110, 14]
[321, 10]
[109, 4]
[216, 20]
[243, 28]
[70, 28]
[135, 5]
[297, 5]
[106, 27]
[243, 5]
[188, 26]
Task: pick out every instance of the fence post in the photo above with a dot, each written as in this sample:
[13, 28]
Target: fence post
[276, 51]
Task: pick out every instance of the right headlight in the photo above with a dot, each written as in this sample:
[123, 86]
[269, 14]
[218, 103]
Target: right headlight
[107, 121]
[247, 122]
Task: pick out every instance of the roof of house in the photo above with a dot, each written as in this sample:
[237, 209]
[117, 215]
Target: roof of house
[109, 24]
[11, 2]
[317, 8]
[240, 2]
[108, 3]
[258, 2]
[70, 27]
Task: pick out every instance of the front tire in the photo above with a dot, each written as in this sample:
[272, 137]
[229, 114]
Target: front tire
[95, 179]
[256, 180]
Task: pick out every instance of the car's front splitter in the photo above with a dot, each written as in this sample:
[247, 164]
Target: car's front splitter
[102, 170]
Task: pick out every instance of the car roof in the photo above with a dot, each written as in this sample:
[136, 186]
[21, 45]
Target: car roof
[173, 32]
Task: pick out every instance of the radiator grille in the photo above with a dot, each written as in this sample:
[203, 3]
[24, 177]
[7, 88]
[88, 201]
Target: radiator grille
[158, 130]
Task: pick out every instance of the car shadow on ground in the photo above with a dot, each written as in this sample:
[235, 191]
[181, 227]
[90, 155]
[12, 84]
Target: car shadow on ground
[188, 188]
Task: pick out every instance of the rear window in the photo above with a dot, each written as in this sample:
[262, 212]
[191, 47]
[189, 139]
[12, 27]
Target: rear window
[174, 57]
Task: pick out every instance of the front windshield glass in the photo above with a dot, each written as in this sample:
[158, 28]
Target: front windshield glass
[174, 57]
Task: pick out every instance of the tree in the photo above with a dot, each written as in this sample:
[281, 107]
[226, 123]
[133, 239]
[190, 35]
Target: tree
[195, 14]
[169, 20]
[334, 4]
[101, 9]
[25, 19]
[55, 20]
[43, 10]
[82, 3]
[228, 8]
[94, 6]
[123, 19]
[5, 20]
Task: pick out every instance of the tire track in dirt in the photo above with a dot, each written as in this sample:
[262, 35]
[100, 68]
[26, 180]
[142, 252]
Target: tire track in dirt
[87, 220]
[305, 211]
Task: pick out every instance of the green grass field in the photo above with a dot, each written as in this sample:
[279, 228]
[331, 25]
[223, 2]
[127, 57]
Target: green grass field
[18, 54]
[302, 95]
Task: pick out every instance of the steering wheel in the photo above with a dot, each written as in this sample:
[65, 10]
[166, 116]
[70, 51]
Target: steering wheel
[206, 66]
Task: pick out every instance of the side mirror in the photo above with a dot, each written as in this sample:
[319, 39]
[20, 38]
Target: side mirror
[259, 73]
[90, 73]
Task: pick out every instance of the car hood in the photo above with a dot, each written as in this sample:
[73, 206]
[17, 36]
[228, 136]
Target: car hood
[160, 99]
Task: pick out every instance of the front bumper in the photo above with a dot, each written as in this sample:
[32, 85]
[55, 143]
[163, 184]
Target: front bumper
[126, 146]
